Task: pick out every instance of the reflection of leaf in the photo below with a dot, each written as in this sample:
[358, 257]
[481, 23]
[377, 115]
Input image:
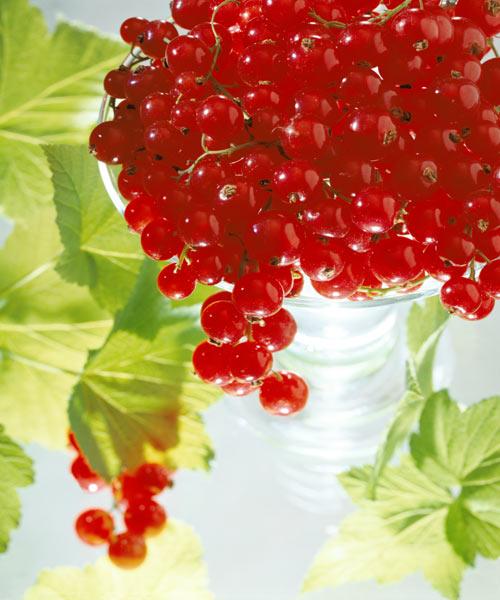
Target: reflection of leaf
[387, 539]
[463, 450]
[407, 414]
[425, 326]
[16, 470]
[100, 252]
[50, 90]
[173, 570]
[132, 392]
[46, 328]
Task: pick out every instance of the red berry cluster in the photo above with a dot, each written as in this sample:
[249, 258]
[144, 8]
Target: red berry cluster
[348, 142]
[134, 499]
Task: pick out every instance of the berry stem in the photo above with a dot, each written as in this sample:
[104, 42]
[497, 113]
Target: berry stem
[217, 47]
[473, 270]
[483, 256]
[224, 152]
[325, 23]
[386, 16]
[183, 257]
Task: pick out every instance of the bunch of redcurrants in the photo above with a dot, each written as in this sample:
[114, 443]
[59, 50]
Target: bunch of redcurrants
[344, 144]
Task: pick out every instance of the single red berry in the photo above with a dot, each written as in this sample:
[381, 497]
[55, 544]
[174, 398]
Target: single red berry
[277, 332]
[455, 247]
[127, 550]
[322, 259]
[132, 28]
[283, 394]
[274, 238]
[250, 362]
[223, 322]
[374, 210]
[258, 295]
[461, 295]
[175, 283]
[296, 181]
[212, 363]
[489, 279]
[160, 241]
[94, 526]
[220, 118]
[111, 142]
[485, 308]
[187, 53]
[115, 82]
[155, 38]
[188, 13]
[397, 260]
[140, 213]
[327, 218]
[439, 268]
[304, 138]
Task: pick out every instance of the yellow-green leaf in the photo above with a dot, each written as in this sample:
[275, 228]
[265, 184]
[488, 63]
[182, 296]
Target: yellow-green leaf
[137, 398]
[173, 570]
[401, 532]
[46, 328]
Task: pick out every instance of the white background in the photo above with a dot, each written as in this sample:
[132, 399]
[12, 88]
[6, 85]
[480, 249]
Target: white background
[257, 546]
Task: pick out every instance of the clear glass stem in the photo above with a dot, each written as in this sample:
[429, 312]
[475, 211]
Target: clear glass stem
[353, 360]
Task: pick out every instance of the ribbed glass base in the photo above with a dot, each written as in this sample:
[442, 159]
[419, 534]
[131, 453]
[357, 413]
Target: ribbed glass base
[353, 361]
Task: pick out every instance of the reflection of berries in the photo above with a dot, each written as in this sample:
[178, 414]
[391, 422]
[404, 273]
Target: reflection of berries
[133, 493]
[94, 527]
[87, 479]
[145, 517]
[127, 550]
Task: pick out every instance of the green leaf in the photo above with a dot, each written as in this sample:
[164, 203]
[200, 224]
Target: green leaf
[401, 532]
[16, 470]
[462, 450]
[50, 85]
[434, 447]
[46, 328]
[458, 531]
[426, 324]
[173, 570]
[137, 399]
[50, 91]
[100, 252]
